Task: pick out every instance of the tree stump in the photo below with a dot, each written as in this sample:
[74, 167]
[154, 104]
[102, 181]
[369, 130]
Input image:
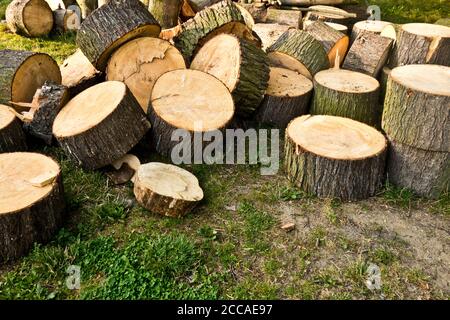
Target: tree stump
[335, 157]
[269, 33]
[31, 202]
[12, 137]
[347, 94]
[100, 125]
[417, 107]
[425, 172]
[287, 97]
[336, 26]
[140, 62]
[166, 12]
[368, 26]
[174, 106]
[32, 18]
[334, 42]
[241, 66]
[166, 189]
[421, 43]
[368, 53]
[23, 72]
[112, 25]
[299, 51]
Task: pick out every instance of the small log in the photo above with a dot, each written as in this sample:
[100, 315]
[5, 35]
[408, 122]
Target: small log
[249, 75]
[248, 18]
[174, 106]
[100, 125]
[339, 17]
[166, 12]
[287, 97]
[31, 18]
[336, 26]
[292, 18]
[299, 51]
[23, 72]
[257, 10]
[140, 62]
[269, 33]
[416, 108]
[372, 26]
[335, 157]
[66, 20]
[166, 189]
[32, 202]
[112, 25]
[12, 137]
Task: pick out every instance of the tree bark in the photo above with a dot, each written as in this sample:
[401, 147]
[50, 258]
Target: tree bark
[368, 26]
[198, 5]
[37, 9]
[12, 137]
[383, 79]
[87, 7]
[292, 18]
[166, 12]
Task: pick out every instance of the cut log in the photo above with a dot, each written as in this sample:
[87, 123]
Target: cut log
[257, 10]
[299, 51]
[174, 106]
[32, 18]
[51, 98]
[334, 42]
[336, 26]
[78, 73]
[166, 189]
[292, 18]
[421, 43]
[269, 33]
[372, 26]
[140, 62]
[241, 66]
[87, 7]
[166, 12]
[100, 125]
[417, 107]
[31, 202]
[287, 97]
[111, 26]
[347, 94]
[248, 18]
[12, 137]
[23, 72]
[335, 157]
[384, 76]
[368, 53]
[66, 20]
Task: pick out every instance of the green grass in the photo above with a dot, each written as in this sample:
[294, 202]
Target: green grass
[3, 5]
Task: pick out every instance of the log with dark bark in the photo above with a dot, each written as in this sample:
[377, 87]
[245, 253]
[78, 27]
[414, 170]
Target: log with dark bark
[299, 51]
[368, 53]
[12, 137]
[23, 72]
[166, 189]
[425, 172]
[417, 107]
[372, 26]
[173, 106]
[112, 25]
[335, 157]
[287, 97]
[241, 66]
[292, 18]
[100, 125]
[166, 12]
[347, 94]
[32, 18]
[32, 202]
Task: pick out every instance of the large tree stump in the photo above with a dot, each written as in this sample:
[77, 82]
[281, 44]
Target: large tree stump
[166, 12]
[371, 26]
[287, 97]
[32, 18]
[335, 157]
[368, 53]
[140, 62]
[100, 125]
[334, 42]
[31, 202]
[190, 100]
[110, 26]
[425, 172]
[241, 66]
[12, 137]
[299, 51]
[23, 72]
[166, 189]
[421, 43]
[269, 32]
[417, 107]
[347, 94]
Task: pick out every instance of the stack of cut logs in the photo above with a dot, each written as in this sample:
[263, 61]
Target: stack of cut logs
[140, 76]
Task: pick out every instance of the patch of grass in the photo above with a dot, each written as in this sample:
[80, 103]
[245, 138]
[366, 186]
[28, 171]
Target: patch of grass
[442, 205]
[400, 197]
[3, 5]
[383, 256]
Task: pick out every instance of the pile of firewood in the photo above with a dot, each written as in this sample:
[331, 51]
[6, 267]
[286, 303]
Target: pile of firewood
[140, 75]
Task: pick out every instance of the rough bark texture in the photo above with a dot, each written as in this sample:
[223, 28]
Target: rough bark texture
[303, 47]
[112, 25]
[110, 139]
[328, 36]
[15, 18]
[166, 12]
[292, 18]
[19, 230]
[417, 118]
[368, 54]
[427, 173]
[383, 79]
[324, 177]
[257, 10]
[12, 137]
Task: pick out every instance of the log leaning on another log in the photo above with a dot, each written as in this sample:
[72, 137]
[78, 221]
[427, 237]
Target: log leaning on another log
[12, 137]
[32, 18]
